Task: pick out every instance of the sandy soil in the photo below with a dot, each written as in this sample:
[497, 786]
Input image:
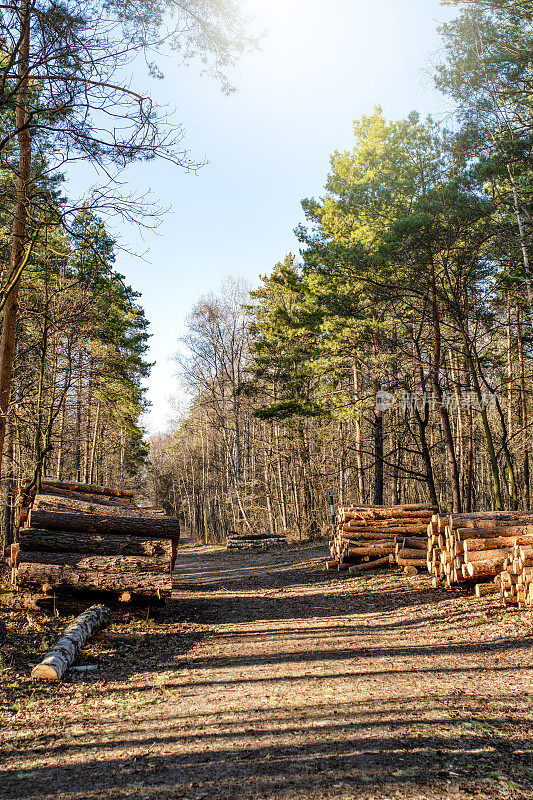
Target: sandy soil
[266, 677]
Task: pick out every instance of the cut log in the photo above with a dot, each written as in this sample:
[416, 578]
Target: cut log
[415, 544]
[102, 500]
[402, 507]
[484, 569]
[98, 543]
[471, 545]
[486, 555]
[405, 552]
[148, 584]
[411, 562]
[361, 552]
[490, 519]
[484, 589]
[492, 531]
[52, 502]
[69, 646]
[153, 527]
[85, 562]
[87, 488]
[368, 536]
[378, 562]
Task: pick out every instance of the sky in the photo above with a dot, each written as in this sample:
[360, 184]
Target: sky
[266, 146]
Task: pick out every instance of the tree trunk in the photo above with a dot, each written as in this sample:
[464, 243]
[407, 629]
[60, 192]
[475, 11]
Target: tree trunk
[59, 462]
[523, 406]
[443, 412]
[95, 439]
[358, 437]
[18, 252]
[77, 434]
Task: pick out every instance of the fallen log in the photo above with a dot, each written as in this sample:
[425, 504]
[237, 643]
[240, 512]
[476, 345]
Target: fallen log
[98, 543]
[150, 527]
[69, 646]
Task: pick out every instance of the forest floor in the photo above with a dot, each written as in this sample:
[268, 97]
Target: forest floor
[266, 677]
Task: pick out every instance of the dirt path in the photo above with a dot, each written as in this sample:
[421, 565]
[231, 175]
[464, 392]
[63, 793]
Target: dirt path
[266, 677]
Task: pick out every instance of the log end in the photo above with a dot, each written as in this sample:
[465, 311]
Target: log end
[44, 672]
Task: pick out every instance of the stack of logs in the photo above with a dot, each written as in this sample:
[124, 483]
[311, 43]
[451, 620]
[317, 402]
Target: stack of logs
[515, 581]
[368, 536]
[252, 541]
[478, 547]
[87, 537]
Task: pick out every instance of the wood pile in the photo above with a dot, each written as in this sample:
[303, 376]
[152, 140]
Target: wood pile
[367, 536]
[88, 537]
[252, 541]
[476, 547]
[515, 581]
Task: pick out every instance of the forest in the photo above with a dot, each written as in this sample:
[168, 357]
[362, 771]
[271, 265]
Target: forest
[316, 582]
[74, 337]
[390, 361]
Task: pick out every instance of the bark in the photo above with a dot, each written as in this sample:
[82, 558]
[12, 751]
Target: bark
[59, 462]
[98, 543]
[358, 437]
[149, 584]
[523, 406]
[94, 499]
[9, 510]
[151, 527]
[486, 429]
[509, 372]
[361, 552]
[371, 564]
[484, 569]
[87, 488]
[69, 646]
[77, 435]
[411, 562]
[443, 412]
[94, 442]
[474, 545]
[18, 252]
[50, 502]
[87, 562]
